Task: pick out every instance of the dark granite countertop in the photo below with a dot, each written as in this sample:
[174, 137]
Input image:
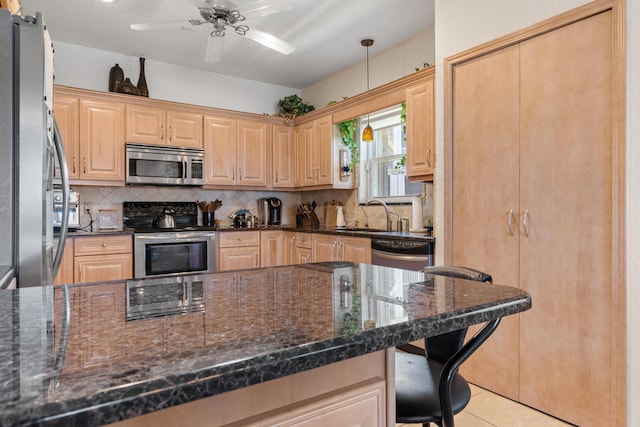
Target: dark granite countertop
[246, 327]
[342, 232]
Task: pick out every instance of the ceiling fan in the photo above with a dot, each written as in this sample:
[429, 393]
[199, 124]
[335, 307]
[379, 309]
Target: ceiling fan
[223, 15]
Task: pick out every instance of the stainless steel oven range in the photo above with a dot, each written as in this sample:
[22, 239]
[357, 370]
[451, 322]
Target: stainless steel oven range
[160, 251]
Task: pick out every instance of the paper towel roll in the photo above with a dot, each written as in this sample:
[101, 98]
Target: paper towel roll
[417, 221]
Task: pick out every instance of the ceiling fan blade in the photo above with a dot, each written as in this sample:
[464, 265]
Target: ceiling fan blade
[214, 49]
[272, 42]
[156, 25]
[264, 8]
[201, 4]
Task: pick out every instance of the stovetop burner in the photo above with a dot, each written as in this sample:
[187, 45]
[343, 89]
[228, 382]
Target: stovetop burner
[142, 216]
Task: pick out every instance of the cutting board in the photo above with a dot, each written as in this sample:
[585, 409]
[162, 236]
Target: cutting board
[330, 214]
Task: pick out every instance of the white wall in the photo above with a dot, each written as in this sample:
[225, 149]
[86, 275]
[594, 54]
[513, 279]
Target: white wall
[384, 67]
[88, 68]
[461, 25]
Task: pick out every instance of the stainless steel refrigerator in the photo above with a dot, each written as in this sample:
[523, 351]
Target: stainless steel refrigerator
[29, 144]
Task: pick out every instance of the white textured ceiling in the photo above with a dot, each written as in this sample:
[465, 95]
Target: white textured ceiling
[326, 34]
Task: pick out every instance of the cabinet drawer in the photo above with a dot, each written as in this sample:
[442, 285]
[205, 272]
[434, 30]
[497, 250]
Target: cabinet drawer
[100, 245]
[239, 238]
[303, 240]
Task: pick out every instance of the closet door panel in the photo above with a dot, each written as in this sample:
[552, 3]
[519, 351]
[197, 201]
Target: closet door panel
[566, 344]
[485, 191]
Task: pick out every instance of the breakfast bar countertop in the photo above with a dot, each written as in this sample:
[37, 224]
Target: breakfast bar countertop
[71, 355]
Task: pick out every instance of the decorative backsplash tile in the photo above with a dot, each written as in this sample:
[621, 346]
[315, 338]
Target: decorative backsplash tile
[112, 198]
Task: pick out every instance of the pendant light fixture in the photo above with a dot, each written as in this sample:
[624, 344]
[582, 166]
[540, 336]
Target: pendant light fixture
[367, 135]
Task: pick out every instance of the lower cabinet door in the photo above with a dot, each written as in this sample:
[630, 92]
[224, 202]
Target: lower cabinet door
[239, 258]
[360, 406]
[103, 267]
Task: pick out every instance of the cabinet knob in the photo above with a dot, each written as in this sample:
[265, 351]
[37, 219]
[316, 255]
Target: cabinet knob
[104, 245]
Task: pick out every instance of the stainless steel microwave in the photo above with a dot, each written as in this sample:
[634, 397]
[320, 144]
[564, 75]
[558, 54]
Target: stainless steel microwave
[163, 165]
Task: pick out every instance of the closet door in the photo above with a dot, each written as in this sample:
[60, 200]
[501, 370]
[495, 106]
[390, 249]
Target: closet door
[566, 262]
[485, 193]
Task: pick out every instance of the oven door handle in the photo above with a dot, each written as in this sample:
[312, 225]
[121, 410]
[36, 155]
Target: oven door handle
[399, 257]
[178, 237]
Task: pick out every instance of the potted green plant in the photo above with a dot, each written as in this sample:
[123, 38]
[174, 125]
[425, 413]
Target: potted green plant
[293, 106]
[347, 131]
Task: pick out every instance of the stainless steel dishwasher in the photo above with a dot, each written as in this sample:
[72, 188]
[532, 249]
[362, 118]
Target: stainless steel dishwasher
[409, 254]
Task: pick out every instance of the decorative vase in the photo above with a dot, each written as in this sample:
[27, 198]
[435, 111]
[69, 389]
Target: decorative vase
[116, 76]
[142, 81]
[128, 88]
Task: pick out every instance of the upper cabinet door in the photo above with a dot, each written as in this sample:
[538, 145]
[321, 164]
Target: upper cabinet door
[283, 157]
[421, 131]
[146, 125]
[185, 129]
[220, 151]
[65, 110]
[323, 145]
[252, 153]
[102, 135]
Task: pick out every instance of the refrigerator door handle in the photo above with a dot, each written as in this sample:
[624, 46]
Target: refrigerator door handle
[64, 175]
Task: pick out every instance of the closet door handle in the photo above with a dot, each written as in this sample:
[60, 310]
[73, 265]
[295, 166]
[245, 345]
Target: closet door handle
[510, 222]
[525, 222]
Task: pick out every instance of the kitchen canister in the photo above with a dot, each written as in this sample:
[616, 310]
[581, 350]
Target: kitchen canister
[340, 217]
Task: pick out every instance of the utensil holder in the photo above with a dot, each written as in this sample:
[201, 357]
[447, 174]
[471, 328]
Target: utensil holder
[208, 219]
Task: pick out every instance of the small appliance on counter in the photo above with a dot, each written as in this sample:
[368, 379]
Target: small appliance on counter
[74, 213]
[270, 211]
[243, 218]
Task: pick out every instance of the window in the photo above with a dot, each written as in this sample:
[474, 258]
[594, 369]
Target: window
[382, 162]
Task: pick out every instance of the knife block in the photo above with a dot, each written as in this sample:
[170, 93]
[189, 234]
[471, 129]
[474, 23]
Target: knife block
[307, 222]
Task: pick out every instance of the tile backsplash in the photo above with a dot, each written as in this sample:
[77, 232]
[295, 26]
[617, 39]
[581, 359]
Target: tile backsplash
[233, 200]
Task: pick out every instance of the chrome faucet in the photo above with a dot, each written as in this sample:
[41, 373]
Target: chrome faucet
[366, 218]
[386, 209]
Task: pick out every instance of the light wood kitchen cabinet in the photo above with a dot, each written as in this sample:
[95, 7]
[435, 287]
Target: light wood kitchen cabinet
[101, 258]
[284, 156]
[302, 248]
[101, 140]
[327, 247]
[314, 156]
[531, 131]
[420, 133]
[65, 272]
[66, 111]
[160, 126]
[235, 152]
[361, 405]
[273, 246]
[238, 250]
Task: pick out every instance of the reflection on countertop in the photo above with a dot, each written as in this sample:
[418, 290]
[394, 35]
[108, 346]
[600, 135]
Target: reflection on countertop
[87, 362]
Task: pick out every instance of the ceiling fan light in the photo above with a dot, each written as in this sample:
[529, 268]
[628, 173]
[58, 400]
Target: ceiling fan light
[367, 134]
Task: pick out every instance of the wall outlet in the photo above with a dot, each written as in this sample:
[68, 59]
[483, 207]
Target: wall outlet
[87, 207]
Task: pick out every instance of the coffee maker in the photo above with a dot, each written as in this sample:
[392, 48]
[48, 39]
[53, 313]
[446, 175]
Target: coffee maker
[270, 210]
[275, 211]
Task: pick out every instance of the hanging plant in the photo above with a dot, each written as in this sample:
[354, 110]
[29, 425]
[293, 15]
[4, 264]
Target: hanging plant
[348, 132]
[293, 106]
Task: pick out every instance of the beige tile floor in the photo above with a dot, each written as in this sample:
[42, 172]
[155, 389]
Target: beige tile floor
[487, 409]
